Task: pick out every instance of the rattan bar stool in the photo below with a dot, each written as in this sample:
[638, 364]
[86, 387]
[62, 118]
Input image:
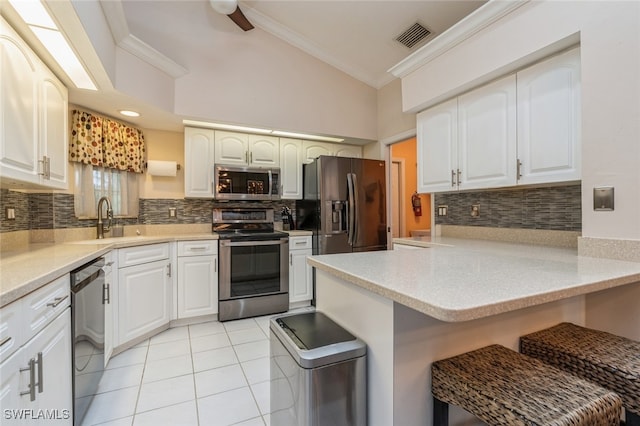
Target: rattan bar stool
[611, 361]
[503, 387]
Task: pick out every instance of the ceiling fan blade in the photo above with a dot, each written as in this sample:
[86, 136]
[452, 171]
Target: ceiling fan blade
[238, 17]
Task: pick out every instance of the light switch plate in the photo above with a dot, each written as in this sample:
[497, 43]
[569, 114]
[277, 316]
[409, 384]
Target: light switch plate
[603, 199]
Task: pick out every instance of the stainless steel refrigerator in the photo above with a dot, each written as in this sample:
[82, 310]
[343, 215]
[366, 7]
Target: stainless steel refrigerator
[344, 204]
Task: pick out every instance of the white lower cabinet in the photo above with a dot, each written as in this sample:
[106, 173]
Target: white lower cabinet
[197, 278]
[36, 379]
[144, 291]
[300, 273]
[108, 307]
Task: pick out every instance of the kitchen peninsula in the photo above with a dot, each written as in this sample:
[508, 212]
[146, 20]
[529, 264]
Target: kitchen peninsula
[413, 307]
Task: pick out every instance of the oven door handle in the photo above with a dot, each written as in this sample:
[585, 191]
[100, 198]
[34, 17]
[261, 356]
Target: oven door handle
[224, 243]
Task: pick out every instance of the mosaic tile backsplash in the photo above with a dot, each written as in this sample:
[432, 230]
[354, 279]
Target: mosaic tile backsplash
[55, 211]
[557, 208]
[551, 208]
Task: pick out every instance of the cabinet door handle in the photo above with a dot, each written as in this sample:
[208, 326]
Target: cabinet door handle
[57, 301]
[299, 243]
[169, 270]
[250, 157]
[40, 373]
[246, 157]
[5, 341]
[215, 266]
[459, 173]
[291, 259]
[453, 178]
[519, 169]
[32, 378]
[47, 164]
[199, 248]
[106, 294]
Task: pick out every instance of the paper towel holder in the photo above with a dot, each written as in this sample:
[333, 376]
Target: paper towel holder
[162, 168]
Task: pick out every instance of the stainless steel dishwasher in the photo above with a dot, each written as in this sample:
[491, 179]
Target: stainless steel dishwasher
[89, 293]
[318, 372]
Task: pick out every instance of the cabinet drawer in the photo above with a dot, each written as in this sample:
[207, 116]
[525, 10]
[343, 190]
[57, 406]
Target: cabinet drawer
[10, 329]
[197, 248]
[42, 306]
[299, 243]
[142, 254]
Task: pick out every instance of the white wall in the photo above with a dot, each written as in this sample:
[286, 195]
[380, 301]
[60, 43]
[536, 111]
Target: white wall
[269, 83]
[609, 37]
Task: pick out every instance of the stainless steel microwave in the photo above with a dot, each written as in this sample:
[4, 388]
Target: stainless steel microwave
[246, 183]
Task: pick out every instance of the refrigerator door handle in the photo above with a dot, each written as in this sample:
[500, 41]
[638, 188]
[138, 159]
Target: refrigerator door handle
[356, 207]
[351, 207]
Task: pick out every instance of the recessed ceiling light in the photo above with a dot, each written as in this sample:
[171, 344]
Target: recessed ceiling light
[129, 113]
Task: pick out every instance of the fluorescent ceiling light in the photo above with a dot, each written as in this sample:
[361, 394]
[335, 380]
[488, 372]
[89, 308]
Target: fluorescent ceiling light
[306, 136]
[34, 14]
[129, 113]
[210, 125]
[226, 126]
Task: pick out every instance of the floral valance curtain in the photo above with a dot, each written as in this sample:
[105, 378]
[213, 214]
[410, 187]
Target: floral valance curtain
[100, 141]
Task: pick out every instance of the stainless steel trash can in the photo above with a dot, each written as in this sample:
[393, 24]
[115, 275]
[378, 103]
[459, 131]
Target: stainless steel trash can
[318, 372]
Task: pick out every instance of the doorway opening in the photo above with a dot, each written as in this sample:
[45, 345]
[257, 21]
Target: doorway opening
[404, 220]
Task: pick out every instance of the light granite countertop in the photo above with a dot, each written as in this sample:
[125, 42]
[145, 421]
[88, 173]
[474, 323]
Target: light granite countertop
[457, 280]
[25, 270]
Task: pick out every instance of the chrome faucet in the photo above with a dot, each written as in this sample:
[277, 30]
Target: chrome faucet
[101, 226]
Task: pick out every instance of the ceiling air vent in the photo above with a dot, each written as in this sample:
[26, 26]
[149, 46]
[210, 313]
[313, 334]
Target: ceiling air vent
[413, 35]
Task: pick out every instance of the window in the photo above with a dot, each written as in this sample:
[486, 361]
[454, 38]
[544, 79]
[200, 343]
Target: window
[92, 183]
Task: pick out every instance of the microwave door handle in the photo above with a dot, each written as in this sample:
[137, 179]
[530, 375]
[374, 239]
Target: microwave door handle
[270, 183]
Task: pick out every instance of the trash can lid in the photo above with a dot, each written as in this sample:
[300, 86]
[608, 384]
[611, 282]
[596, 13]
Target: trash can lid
[314, 339]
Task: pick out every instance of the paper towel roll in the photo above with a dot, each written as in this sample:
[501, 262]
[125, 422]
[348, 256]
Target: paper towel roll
[162, 168]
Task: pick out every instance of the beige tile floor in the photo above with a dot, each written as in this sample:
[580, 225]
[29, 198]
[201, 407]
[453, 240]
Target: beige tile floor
[204, 374]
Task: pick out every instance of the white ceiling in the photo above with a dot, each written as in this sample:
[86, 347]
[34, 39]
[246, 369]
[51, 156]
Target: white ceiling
[355, 36]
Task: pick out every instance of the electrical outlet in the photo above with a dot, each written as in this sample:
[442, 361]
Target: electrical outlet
[173, 212]
[10, 213]
[442, 210]
[475, 210]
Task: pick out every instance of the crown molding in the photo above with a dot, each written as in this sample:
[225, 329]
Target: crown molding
[114, 13]
[463, 30]
[291, 37]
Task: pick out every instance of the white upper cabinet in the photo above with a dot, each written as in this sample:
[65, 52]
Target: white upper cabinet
[264, 151]
[521, 129]
[231, 148]
[54, 130]
[199, 160]
[353, 151]
[291, 168]
[33, 118]
[312, 150]
[487, 136]
[549, 120]
[437, 132]
[246, 150]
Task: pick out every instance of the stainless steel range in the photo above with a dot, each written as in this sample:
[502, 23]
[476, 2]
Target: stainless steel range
[254, 269]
